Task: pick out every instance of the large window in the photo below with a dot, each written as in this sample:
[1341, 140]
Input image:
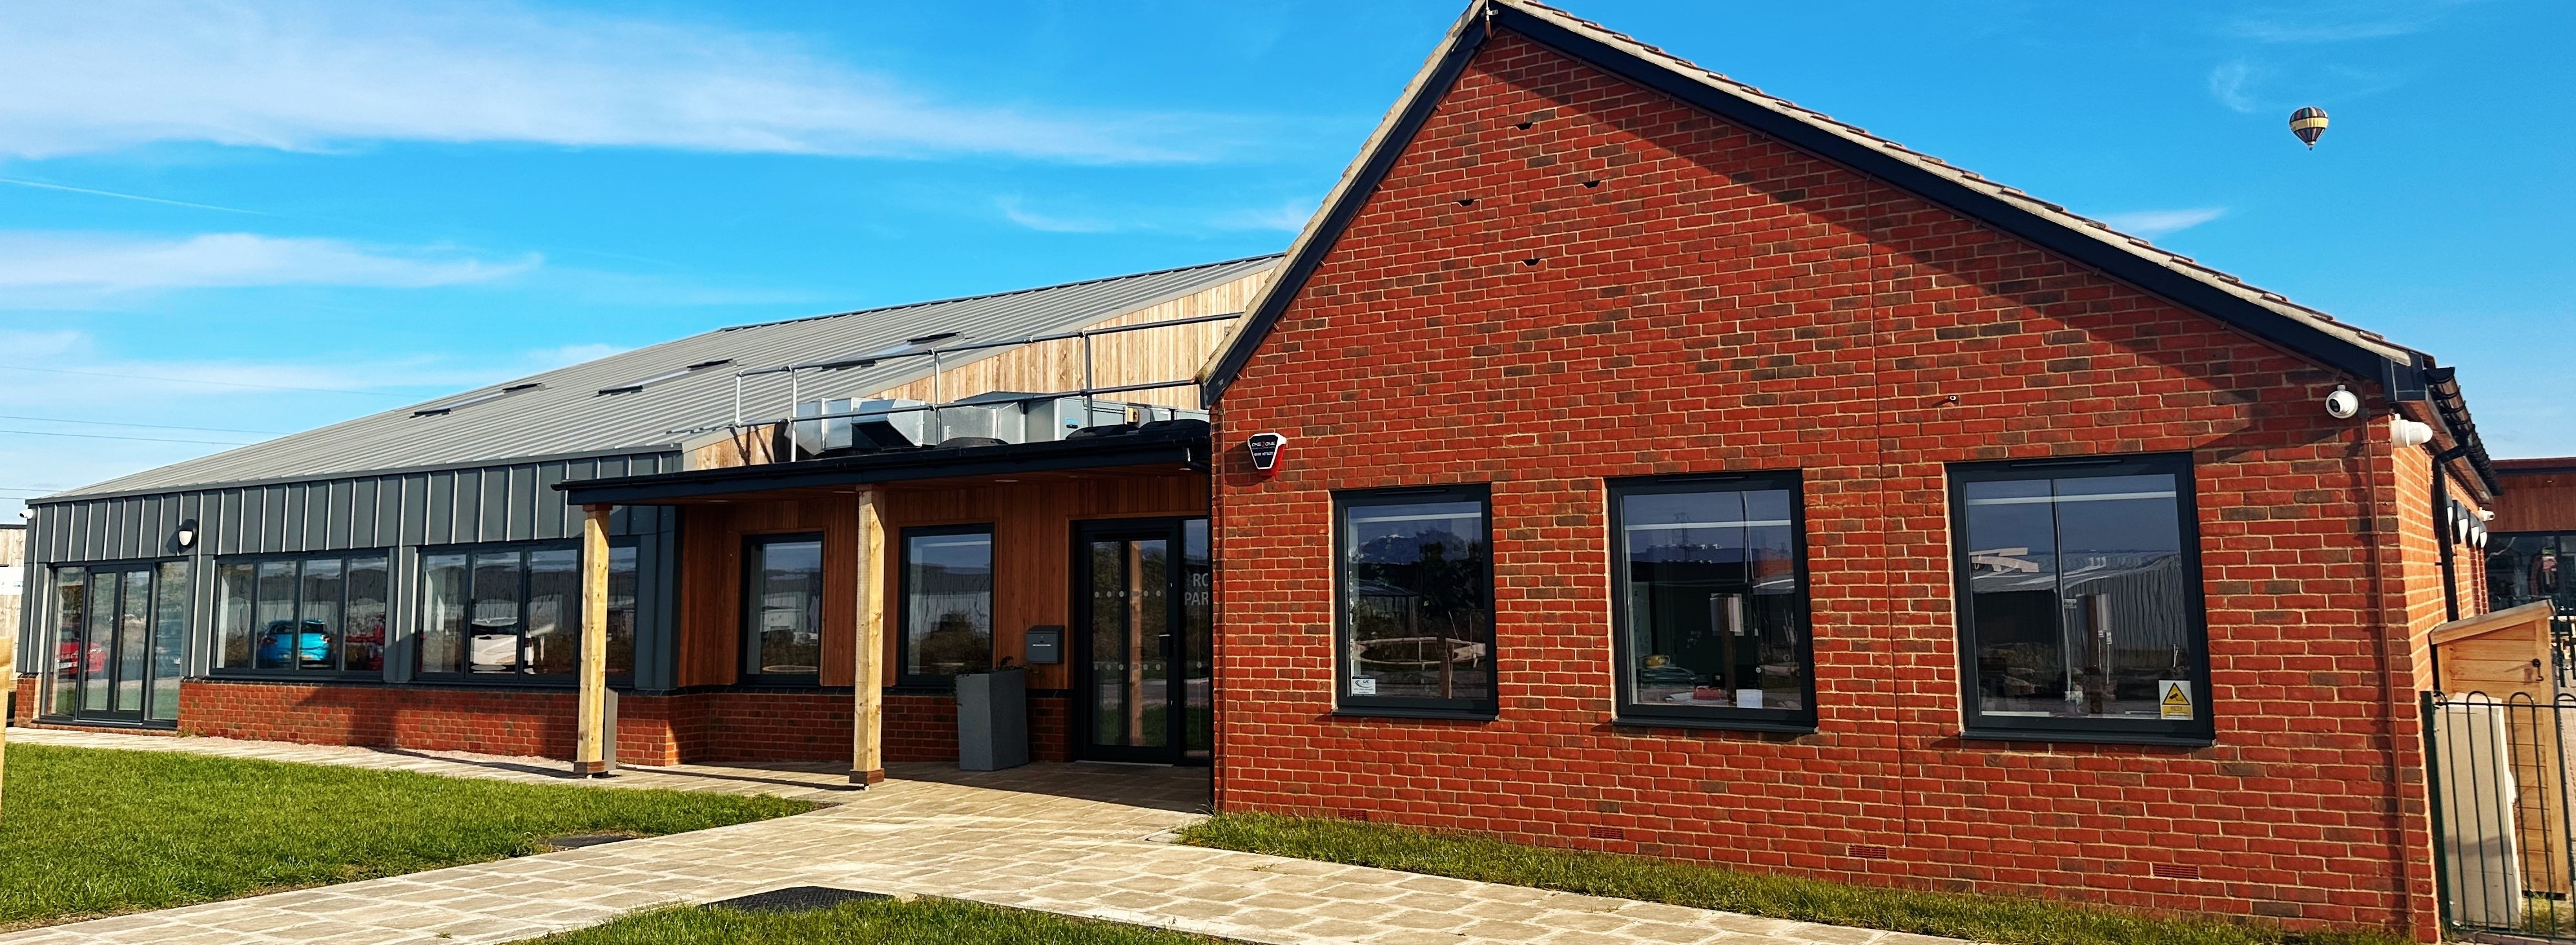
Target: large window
[2523, 568]
[309, 614]
[1416, 634]
[947, 602]
[512, 612]
[2079, 583]
[1709, 579]
[118, 643]
[783, 609]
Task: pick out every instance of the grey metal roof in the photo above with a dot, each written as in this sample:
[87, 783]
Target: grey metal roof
[567, 416]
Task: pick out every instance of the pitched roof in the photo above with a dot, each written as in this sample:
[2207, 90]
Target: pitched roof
[2131, 259]
[567, 415]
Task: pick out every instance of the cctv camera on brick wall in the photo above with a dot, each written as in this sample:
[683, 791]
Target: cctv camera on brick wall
[2343, 404]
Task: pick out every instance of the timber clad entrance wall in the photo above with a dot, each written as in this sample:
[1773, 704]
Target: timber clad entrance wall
[1032, 517]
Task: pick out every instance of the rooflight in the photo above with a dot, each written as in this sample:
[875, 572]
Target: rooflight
[639, 384]
[485, 397]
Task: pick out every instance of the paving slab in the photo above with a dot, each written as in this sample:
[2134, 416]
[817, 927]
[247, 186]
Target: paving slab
[1078, 840]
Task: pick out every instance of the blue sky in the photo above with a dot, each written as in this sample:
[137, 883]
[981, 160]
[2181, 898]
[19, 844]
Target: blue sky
[232, 219]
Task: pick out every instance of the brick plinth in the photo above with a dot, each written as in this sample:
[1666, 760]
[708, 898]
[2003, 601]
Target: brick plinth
[721, 726]
[1566, 278]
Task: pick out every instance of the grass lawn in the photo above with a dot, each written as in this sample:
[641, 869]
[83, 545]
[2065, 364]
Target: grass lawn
[89, 831]
[873, 922]
[1983, 918]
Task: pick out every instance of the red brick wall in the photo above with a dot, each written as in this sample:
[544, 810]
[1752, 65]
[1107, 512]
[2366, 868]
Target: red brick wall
[1723, 302]
[24, 709]
[711, 727]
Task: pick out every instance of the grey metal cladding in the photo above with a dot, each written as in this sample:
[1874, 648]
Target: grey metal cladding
[567, 417]
[503, 503]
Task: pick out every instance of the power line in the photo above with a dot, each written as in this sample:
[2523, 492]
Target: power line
[191, 380]
[155, 426]
[146, 439]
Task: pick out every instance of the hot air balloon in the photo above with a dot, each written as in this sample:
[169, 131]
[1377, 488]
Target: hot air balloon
[2309, 124]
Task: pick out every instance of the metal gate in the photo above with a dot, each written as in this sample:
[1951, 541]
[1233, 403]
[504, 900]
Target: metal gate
[2500, 807]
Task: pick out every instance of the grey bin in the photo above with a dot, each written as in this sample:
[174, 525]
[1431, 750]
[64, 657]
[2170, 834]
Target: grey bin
[992, 720]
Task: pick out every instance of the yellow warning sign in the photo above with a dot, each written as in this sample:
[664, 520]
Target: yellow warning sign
[2175, 703]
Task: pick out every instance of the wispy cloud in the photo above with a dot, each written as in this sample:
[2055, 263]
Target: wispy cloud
[52, 263]
[2155, 223]
[2228, 82]
[1288, 216]
[305, 75]
[82, 381]
[1016, 210]
[2337, 21]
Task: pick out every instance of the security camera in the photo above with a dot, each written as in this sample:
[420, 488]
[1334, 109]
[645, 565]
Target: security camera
[2343, 404]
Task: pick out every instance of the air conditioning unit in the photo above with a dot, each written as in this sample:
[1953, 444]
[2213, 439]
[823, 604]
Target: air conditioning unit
[848, 423]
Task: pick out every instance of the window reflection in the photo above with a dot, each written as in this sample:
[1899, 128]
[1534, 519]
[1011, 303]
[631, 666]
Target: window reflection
[2078, 596]
[1417, 616]
[948, 602]
[1714, 608]
[786, 607]
[500, 613]
[313, 614]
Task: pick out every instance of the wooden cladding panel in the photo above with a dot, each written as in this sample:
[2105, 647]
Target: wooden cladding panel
[1136, 357]
[1032, 546]
[711, 607]
[2542, 502]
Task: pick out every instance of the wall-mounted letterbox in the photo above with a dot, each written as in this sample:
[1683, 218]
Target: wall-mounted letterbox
[1045, 646]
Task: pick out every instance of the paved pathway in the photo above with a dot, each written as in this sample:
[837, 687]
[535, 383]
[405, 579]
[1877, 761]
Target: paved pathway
[995, 842]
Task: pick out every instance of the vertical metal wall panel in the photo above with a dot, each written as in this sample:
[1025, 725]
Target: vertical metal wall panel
[402, 512]
[440, 527]
[495, 520]
[362, 512]
[276, 516]
[554, 517]
[415, 510]
[338, 522]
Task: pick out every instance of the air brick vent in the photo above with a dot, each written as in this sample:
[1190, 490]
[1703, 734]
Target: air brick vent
[2174, 871]
[1867, 851]
[1606, 833]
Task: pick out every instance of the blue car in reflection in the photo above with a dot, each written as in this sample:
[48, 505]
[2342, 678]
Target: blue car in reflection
[310, 648]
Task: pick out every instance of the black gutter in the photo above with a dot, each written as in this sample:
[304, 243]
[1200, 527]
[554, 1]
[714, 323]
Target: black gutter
[2442, 388]
[2286, 331]
[2449, 536]
[1184, 444]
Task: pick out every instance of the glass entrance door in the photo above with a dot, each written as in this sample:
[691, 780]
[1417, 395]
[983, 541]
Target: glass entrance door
[1142, 647]
[118, 646]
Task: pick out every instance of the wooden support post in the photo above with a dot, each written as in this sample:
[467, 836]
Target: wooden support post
[867, 719]
[590, 733]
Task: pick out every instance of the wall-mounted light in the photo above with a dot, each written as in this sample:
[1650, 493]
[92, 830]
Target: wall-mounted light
[187, 534]
[2404, 432]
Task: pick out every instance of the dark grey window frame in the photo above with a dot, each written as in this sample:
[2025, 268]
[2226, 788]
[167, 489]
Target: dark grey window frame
[904, 676]
[420, 612]
[1482, 708]
[215, 626]
[1976, 725]
[1627, 710]
[747, 644]
[40, 602]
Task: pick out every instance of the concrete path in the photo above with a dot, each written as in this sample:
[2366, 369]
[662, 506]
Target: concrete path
[999, 842]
